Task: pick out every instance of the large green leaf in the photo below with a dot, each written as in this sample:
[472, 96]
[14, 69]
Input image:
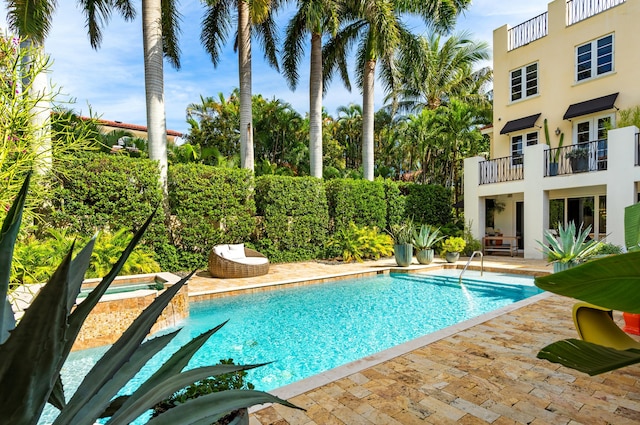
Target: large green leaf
[8, 235]
[612, 282]
[632, 227]
[587, 357]
[211, 407]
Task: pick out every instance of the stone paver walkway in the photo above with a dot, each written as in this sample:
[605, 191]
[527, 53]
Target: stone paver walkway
[484, 373]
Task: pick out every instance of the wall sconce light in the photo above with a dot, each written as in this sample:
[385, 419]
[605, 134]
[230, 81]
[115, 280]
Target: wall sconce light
[557, 131]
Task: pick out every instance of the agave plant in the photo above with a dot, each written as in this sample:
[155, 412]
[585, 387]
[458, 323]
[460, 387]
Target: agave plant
[33, 352]
[427, 237]
[571, 246]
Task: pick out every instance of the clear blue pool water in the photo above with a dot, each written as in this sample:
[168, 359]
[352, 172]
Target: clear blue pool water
[310, 329]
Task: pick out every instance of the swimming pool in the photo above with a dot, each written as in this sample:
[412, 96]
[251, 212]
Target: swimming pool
[310, 329]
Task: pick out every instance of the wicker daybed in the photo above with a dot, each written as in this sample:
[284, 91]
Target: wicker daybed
[232, 261]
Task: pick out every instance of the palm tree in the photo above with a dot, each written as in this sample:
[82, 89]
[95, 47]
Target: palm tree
[377, 27]
[349, 132]
[257, 15]
[33, 20]
[314, 17]
[431, 72]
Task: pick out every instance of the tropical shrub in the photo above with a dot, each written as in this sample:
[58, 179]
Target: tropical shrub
[36, 259]
[33, 352]
[452, 244]
[359, 201]
[294, 217]
[427, 203]
[395, 202]
[402, 233]
[359, 243]
[209, 206]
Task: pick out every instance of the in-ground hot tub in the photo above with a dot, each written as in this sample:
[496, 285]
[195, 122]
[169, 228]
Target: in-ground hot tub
[124, 301]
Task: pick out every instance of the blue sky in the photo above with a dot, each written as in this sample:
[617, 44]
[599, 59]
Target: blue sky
[111, 79]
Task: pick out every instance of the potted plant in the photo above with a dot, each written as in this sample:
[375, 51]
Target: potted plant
[451, 248]
[579, 158]
[555, 159]
[571, 248]
[402, 235]
[423, 242]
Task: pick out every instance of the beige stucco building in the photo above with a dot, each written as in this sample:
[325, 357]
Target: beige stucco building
[575, 66]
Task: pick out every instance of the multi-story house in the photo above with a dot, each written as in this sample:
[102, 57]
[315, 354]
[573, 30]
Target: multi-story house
[575, 67]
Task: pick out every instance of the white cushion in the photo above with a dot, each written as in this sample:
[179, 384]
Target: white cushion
[253, 261]
[219, 249]
[233, 254]
[237, 247]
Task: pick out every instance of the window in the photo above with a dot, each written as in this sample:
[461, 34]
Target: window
[594, 130]
[594, 58]
[517, 146]
[524, 82]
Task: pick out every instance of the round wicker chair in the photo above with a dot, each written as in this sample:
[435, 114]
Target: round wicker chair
[230, 268]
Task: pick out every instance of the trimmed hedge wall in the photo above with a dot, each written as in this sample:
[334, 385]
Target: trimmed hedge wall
[294, 217]
[359, 201]
[395, 203]
[428, 204]
[209, 206]
[108, 192]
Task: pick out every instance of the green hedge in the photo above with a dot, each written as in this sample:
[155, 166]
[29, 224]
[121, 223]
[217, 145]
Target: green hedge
[108, 192]
[209, 205]
[359, 201]
[430, 204]
[395, 203]
[294, 218]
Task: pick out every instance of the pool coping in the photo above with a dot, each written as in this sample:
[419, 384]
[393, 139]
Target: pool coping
[323, 378]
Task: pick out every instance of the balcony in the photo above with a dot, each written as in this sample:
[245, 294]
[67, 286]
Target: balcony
[508, 168]
[538, 27]
[579, 158]
[528, 31]
[579, 10]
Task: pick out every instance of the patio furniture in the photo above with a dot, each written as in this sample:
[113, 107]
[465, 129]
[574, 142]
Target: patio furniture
[236, 260]
[595, 324]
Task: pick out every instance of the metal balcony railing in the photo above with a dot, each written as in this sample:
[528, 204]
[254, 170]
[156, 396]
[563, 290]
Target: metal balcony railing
[579, 158]
[637, 149]
[579, 10]
[528, 31]
[499, 170]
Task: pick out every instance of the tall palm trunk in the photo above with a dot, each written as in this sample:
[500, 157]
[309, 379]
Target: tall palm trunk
[38, 90]
[315, 106]
[244, 65]
[367, 118]
[154, 86]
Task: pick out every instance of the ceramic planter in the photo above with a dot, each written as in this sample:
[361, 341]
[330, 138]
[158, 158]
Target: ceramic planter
[560, 267]
[452, 257]
[553, 168]
[403, 253]
[579, 165]
[424, 256]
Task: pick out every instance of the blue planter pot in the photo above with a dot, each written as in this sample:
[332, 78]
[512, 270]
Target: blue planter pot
[403, 253]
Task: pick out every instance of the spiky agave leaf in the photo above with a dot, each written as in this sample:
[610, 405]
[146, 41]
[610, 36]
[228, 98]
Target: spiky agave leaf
[119, 353]
[31, 356]
[8, 236]
[211, 407]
